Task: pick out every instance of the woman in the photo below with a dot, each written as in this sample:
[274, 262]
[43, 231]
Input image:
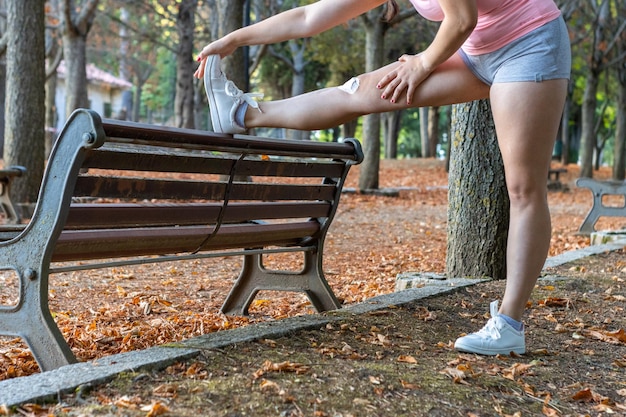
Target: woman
[514, 52]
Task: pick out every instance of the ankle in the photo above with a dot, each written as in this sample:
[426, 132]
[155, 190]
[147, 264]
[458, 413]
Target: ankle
[240, 114]
[517, 325]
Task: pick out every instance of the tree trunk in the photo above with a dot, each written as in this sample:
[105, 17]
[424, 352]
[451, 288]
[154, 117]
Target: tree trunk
[565, 131]
[231, 19]
[433, 130]
[75, 28]
[75, 58]
[478, 211]
[185, 65]
[588, 137]
[374, 52]
[3, 77]
[126, 112]
[392, 127]
[619, 167]
[298, 78]
[25, 101]
[423, 113]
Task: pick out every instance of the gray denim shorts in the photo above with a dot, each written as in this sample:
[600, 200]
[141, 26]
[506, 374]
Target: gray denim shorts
[543, 54]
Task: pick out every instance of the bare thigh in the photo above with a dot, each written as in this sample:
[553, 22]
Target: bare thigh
[527, 117]
[450, 83]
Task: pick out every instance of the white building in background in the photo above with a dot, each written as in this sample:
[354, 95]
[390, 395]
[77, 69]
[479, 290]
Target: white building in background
[104, 90]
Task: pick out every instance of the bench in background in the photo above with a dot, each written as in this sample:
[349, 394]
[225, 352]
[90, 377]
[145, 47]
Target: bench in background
[121, 193]
[600, 189]
[7, 175]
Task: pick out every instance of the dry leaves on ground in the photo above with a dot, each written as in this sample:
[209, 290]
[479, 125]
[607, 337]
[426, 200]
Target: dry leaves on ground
[372, 240]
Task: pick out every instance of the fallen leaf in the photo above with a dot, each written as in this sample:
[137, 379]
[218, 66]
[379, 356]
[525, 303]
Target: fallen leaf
[155, 409]
[407, 359]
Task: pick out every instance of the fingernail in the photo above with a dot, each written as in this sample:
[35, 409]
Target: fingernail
[199, 59]
[378, 86]
[393, 100]
[383, 97]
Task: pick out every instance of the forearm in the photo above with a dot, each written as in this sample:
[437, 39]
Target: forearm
[278, 28]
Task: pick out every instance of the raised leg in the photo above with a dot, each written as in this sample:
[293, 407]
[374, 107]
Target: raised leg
[450, 83]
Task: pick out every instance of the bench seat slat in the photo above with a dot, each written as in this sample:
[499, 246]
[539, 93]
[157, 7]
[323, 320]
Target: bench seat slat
[74, 245]
[148, 189]
[188, 163]
[90, 216]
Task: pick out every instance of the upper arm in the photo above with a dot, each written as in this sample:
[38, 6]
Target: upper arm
[463, 13]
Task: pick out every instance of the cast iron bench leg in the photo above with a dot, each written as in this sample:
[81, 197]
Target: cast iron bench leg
[599, 189]
[254, 278]
[31, 320]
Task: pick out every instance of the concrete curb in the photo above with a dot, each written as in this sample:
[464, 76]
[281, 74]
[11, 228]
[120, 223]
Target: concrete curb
[47, 386]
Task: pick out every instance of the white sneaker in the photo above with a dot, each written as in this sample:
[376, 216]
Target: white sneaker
[224, 97]
[496, 338]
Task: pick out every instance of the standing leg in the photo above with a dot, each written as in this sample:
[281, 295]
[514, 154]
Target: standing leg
[527, 117]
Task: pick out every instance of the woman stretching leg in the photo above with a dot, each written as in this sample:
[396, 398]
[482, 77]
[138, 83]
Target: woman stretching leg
[524, 74]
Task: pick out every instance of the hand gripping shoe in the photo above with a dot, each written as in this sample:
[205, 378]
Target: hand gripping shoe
[496, 338]
[224, 98]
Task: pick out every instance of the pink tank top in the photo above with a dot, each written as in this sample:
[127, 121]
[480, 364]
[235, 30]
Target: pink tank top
[499, 21]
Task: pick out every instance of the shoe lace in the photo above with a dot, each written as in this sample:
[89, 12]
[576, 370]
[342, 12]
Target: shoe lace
[233, 91]
[490, 330]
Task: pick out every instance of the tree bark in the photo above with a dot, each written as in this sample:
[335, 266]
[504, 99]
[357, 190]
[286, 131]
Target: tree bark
[25, 101]
[185, 65]
[588, 136]
[75, 28]
[392, 127]
[374, 53]
[433, 130]
[619, 166]
[231, 19]
[423, 113]
[478, 212]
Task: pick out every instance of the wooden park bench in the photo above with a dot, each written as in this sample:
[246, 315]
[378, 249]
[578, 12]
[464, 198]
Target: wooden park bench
[121, 193]
[554, 178]
[7, 175]
[600, 189]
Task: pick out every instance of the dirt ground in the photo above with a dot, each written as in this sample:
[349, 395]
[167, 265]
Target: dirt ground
[399, 362]
[394, 362]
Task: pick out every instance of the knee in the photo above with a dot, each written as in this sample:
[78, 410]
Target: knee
[527, 193]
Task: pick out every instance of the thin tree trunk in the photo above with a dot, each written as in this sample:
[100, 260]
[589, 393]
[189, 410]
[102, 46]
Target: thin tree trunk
[392, 126]
[423, 113]
[433, 130]
[619, 167]
[185, 65]
[588, 137]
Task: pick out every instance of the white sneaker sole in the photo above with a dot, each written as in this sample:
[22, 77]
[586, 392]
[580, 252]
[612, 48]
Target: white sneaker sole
[211, 62]
[488, 352]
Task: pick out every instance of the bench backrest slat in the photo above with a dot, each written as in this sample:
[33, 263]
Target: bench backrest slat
[98, 244]
[161, 189]
[208, 164]
[86, 216]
